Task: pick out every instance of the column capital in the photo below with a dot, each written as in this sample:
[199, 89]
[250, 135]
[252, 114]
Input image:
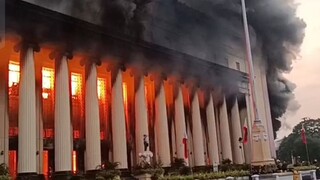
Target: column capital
[58, 54]
[90, 60]
[23, 45]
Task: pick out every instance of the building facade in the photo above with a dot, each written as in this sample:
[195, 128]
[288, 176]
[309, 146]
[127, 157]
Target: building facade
[74, 95]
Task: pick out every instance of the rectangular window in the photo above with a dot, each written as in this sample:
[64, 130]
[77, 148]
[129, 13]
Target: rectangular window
[238, 66]
[14, 73]
[47, 82]
[101, 88]
[75, 84]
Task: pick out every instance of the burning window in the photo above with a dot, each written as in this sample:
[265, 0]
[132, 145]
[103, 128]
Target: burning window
[125, 94]
[14, 73]
[47, 82]
[101, 88]
[75, 84]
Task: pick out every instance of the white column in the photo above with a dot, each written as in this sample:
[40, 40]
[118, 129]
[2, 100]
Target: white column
[27, 114]
[197, 134]
[141, 115]
[249, 122]
[246, 147]
[218, 133]
[225, 132]
[180, 123]
[173, 140]
[236, 134]
[212, 130]
[4, 111]
[39, 119]
[93, 147]
[190, 146]
[62, 114]
[118, 123]
[161, 125]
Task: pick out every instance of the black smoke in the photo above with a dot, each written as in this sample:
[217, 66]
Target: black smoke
[206, 29]
[281, 33]
[275, 29]
[124, 16]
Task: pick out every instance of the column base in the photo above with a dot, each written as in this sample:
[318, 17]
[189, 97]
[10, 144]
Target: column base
[29, 176]
[62, 175]
[263, 163]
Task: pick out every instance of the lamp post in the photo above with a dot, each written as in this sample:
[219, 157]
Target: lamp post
[260, 147]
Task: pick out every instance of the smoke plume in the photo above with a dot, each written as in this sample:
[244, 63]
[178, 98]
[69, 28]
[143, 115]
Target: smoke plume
[274, 26]
[207, 29]
[281, 33]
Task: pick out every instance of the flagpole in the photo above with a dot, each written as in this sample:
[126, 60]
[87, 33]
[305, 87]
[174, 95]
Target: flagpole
[307, 153]
[258, 158]
[305, 141]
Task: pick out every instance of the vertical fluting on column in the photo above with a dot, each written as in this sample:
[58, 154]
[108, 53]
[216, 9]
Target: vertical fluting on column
[27, 114]
[212, 130]
[236, 134]
[93, 147]
[225, 132]
[248, 121]
[173, 140]
[118, 123]
[180, 124]
[62, 116]
[39, 119]
[190, 146]
[4, 110]
[197, 134]
[246, 143]
[141, 115]
[161, 126]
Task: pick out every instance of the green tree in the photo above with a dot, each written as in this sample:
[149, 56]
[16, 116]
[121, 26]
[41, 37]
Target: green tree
[293, 143]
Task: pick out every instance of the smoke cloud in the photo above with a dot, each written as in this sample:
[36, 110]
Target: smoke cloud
[210, 30]
[275, 29]
[281, 33]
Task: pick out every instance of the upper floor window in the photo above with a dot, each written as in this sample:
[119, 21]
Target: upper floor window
[14, 73]
[75, 84]
[238, 66]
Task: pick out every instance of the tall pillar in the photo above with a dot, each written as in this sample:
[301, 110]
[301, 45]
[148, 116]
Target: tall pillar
[4, 109]
[161, 126]
[39, 119]
[225, 132]
[180, 124]
[141, 115]
[118, 123]
[246, 145]
[236, 134]
[190, 146]
[93, 147]
[197, 134]
[212, 130]
[62, 117]
[173, 140]
[27, 114]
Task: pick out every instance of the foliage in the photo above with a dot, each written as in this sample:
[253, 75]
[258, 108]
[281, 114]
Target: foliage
[179, 167]
[108, 171]
[215, 175]
[266, 169]
[304, 168]
[4, 172]
[154, 169]
[226, 161]
[234, 167]
[293, 143]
